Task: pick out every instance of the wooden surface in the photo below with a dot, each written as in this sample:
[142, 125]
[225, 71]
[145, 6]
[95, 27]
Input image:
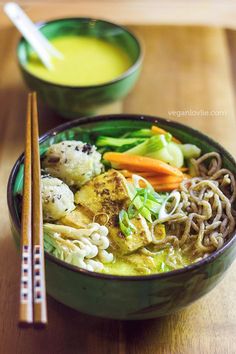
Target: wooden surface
[185, 68]
[204, 12]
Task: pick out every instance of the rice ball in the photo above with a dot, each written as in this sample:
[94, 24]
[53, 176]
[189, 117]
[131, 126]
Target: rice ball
[73, 161]
[57, 198]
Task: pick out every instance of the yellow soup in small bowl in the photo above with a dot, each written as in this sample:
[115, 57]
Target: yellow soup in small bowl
[87, 61]
[102, 62]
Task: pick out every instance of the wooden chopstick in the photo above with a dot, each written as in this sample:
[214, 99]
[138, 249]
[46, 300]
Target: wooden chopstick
[34, 310]
[26, 310]
[39, 293]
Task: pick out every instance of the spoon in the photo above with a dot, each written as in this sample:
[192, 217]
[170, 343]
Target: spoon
[44, 49]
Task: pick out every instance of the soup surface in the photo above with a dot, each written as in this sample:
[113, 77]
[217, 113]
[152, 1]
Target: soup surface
[87, 61]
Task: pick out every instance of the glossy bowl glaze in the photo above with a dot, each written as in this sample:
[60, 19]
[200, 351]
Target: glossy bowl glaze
[126, 297]
[74, 101]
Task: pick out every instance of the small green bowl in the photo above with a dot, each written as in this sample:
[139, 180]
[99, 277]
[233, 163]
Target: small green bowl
[74, 101]
[126, 297]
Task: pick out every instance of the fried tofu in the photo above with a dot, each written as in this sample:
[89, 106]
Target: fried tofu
[128, 244]
[107, 193]
[80, 217]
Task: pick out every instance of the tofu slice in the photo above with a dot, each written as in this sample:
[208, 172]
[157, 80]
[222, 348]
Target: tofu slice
[79, 218]
[107, 193]
[128, 244]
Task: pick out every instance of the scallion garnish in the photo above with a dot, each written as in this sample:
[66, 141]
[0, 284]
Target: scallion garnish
[126, 226]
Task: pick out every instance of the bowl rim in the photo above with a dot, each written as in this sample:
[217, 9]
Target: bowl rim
[134, 117]
[119, 78]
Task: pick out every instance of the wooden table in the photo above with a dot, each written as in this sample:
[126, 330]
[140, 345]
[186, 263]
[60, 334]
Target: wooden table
[185, 69]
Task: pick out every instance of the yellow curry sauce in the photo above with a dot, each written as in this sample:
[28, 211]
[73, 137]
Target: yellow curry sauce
[87, 61]
[142, 264]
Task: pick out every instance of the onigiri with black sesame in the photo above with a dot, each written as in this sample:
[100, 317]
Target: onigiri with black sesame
[74, 162]
[57, 198]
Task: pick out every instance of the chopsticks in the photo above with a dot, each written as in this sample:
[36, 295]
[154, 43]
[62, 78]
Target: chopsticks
[33, 309]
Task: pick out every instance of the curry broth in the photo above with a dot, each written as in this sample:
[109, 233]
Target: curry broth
[87, 61]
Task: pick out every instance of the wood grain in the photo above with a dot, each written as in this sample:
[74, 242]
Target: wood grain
[177, 12]
[187, 72]
[184, 68]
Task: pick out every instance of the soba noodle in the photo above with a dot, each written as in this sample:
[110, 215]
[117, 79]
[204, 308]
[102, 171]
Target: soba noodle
[204, 217]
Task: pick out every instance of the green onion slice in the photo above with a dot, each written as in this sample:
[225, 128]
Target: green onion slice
[173, 199]
[126, 226]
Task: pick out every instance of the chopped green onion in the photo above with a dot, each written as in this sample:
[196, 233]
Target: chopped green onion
[146, 201]
[137, 178]
[174, 198]
[125, 224]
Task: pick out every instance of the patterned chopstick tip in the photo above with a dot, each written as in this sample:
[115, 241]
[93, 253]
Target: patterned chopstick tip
[25, 274]
[37, 274]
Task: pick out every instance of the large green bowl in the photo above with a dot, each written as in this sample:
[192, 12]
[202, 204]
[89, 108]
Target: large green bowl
[126, 297]
[74, 101]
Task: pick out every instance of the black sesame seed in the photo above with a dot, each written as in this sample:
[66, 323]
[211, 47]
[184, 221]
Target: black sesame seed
[87, 148]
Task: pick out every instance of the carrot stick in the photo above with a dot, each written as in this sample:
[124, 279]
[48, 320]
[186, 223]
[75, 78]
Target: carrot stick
[159, 187]
[157, 130]
[133, 170]
[142, 163]
[166, 187]
[129, 173]
[164, 179]
[184, 169]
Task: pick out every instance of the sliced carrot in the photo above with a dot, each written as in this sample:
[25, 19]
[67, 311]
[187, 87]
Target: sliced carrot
[184, 169]
[166, 187]
[159, 187]
[141, 171]
[164, 179]
[161, 179]
[129, 173]
[157, 130]
[142, 163]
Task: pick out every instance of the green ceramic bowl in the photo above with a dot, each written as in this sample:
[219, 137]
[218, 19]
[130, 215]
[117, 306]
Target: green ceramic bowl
[74, 101]
[126, 297]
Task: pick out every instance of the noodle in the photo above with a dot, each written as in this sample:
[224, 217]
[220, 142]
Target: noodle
[204, 218]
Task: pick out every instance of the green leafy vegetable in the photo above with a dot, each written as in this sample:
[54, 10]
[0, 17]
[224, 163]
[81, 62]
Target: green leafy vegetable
[190, 151]
[151, 145]
[117, 142]
[141, 133]
[171, 154]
